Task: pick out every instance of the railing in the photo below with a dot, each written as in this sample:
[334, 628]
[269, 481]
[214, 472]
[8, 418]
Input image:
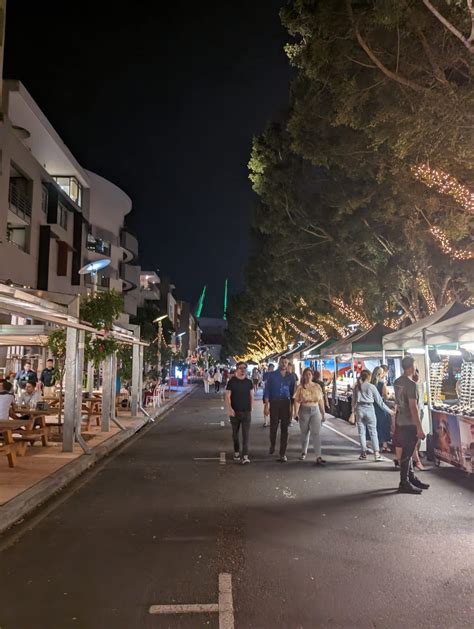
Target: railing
[19, 203]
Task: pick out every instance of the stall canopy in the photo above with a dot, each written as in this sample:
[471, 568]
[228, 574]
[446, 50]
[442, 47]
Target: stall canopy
[413, 335]
[299, 347]
[314, 351]
[343, 346]
[458, 329]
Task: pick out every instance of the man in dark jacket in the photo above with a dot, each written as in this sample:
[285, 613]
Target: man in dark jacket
[277, 398]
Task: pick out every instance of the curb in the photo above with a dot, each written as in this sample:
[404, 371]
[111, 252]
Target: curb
[22, 505]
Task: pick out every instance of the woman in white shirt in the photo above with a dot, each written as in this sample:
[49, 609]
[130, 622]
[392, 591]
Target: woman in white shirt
[6, 399]
[309, 408]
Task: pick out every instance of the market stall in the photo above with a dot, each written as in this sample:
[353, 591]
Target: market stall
[358, 351]
[440, 345]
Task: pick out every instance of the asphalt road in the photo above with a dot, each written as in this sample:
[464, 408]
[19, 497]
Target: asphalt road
[305, 547]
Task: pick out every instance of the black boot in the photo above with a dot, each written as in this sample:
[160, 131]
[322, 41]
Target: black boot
[408, 488]
[416, 482]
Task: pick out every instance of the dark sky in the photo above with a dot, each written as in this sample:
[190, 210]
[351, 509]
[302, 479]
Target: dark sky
[163, 101]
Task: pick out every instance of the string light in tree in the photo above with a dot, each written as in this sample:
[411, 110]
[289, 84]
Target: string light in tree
[314, 326]
[445, 184]
[447, 247]
[350, 313]
[328, 319]
[426, 292]
[294, 327]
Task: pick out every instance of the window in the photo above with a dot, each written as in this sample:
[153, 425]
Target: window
[62, 216]
[44, 199]
[71, 187]
[98, 245]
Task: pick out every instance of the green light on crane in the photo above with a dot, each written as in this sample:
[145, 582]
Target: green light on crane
[200, 303]
[225, 298]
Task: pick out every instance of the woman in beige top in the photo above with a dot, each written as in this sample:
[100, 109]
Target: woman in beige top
[309, 408]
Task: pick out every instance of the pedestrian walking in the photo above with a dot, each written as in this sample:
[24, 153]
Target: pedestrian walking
[265, 375]
[309, 411]
[277, 399]
[364, 396]
[384, 420]
[291, 371]
[205, 378]
[217, 380]
[408, 429]
[255, 379]
[238, 401]
[318, 380]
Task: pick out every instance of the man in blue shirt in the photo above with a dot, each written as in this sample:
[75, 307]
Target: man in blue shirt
[277, 397]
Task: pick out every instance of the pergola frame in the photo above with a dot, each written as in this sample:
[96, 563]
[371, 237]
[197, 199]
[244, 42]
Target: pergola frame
[17, 302]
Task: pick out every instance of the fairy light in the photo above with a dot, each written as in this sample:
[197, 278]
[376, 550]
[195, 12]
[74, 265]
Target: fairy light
[328, 319]
[425, 291]
[445, 184]
[270, 339]
[317, 327]
[350, 313]
[394, 324]
[447, 247]
[294, 327]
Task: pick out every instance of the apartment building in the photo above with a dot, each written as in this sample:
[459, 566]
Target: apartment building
[55, 216]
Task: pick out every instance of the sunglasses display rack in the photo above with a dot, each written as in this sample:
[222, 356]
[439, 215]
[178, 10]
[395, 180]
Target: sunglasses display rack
[437, 375]
[466, 390]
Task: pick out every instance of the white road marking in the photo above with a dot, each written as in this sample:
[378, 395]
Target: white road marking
[224, 607]
[197, 538]
[222, 423]
[226, 603]
[184, 609]
[341, 434]
[222, 458]
[207, 458]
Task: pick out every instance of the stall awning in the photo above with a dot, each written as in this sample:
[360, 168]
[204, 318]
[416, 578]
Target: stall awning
[295, 350]
[343, 346]
[314, 351]
[412, 335]
[458, 329]
[370, 341]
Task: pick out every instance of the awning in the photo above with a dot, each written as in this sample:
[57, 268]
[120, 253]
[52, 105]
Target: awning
[295, 350]
[343, 346]
[458, 329]
[25, 335]
[412, 335]
[314, 351]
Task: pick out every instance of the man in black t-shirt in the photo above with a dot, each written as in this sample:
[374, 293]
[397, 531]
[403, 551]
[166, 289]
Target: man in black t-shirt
[238, 401]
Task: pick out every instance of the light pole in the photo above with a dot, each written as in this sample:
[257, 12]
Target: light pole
[91, 269]
[159, 320]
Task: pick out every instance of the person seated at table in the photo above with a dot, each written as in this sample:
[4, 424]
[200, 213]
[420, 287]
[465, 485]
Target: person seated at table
[29, 397]
[6, 399]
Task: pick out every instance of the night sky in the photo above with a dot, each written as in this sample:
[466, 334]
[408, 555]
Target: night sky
[163, 101]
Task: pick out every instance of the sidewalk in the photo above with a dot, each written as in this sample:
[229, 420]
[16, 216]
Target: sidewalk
[42, 472]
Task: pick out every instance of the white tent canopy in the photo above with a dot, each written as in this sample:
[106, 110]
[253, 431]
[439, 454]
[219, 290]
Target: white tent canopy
[413, 335]
[458, 329]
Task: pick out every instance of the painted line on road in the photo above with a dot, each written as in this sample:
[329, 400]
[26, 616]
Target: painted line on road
[222, 458]
[224, 607]
[184, 609]
[222, 423]
[341, 434]
[226, 603]
[207, 458]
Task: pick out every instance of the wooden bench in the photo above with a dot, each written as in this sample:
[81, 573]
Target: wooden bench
[34, 425]
[92, 409]
[10, 447]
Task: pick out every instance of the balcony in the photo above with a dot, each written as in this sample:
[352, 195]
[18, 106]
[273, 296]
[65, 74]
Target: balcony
[129, 244]
[130, 276]
[19, 203]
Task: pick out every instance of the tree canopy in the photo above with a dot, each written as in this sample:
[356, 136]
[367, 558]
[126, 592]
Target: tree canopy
[365, 186]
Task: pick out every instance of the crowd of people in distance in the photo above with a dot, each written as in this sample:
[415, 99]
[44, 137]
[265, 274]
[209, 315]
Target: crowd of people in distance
[287, 401]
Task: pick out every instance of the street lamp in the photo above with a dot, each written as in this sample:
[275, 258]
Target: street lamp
[159, 320]
[91, 269]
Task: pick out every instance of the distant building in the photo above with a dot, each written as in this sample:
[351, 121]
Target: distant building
[212, 335]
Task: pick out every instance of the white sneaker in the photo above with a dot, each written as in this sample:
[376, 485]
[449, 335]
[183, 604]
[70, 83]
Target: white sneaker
[245, 460]
[236, 456]
[379, 458]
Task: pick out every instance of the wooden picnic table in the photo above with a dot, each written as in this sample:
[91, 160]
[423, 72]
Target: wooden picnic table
[92, 409]
[10, 447]
[34, 424]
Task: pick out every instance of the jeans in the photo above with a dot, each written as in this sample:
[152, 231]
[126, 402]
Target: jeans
[365, 416]
[241, 419]
[310, 424]
[280, 411]
[407, 440]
